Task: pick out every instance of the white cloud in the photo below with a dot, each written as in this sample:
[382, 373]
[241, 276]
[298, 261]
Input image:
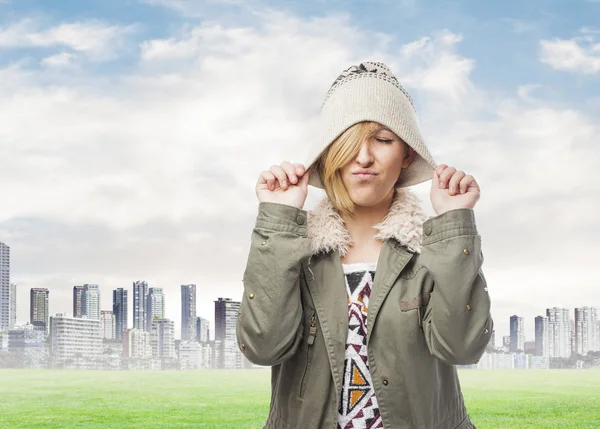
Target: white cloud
[98, 40]
[64, 59]
[150, 174]
[435, 67]
[578, 55]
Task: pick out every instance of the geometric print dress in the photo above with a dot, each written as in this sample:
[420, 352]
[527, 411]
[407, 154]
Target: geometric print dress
[358, 404]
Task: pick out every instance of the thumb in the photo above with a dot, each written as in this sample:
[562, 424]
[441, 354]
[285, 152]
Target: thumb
[435, 181]
[303, 183]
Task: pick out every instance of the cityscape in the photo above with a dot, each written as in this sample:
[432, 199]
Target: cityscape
[93, 338]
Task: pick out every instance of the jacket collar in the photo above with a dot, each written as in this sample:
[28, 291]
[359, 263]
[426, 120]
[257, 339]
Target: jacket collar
[403, 223]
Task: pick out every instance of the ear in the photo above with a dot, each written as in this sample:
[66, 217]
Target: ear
[409, 156]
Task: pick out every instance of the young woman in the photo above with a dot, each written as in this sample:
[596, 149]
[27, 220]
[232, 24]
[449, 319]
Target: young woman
[364, 306]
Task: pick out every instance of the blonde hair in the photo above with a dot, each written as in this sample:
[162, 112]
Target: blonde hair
[344, 149]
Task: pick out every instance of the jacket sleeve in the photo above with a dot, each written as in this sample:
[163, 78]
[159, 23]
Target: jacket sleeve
[457, 322]
[269, 325]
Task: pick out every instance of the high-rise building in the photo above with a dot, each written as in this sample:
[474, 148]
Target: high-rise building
[163, 339]
[188, 312]
[78, 306]
[156, 306]
[39, 308]
[559, 332]
[137, 344]
[12, 308]
[586, 322]
[91, 301]
[75, 341]
[120, 312]
[226, 315]
[542, 339]
[140, 296]
[506, 342]
[4, 287]
[202, 330]
[517, 334]
[108, 325]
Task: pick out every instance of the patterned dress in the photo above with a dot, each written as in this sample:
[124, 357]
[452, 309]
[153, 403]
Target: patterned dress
[358, 404]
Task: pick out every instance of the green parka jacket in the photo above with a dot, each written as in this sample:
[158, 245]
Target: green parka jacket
[429, 310]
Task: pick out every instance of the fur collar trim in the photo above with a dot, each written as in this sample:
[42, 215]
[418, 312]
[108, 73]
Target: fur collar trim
[404, 223]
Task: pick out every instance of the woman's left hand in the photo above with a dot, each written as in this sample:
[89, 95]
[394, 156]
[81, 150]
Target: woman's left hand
[452, 189]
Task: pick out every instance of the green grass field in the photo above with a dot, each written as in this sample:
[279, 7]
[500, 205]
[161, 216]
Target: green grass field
[240, 399]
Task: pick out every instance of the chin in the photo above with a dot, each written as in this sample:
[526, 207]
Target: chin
[367, 196]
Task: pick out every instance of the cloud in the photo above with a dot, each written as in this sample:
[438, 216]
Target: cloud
[98, 40]
[64, 59]
[576, 55]
[149, 173]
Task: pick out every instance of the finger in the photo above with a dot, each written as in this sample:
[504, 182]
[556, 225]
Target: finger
[299, 169]
[467, 182]
[440, 168]
[454, 181]
[435, 180]
[290, 171]
[280, 175]
[446, 175]
[303, 183]
[266, 177]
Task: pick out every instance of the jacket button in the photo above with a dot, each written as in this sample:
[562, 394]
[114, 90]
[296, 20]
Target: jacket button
[466, 251]
[486, 330]
[251, 296]
[428, 230]
[385, 382]
[263, 243]
[468, 307]
[243, 346]
[300, 219]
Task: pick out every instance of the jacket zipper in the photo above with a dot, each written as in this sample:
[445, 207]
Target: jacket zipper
[312, 333]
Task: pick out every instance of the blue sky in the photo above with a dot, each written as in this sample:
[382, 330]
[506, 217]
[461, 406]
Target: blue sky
[131, 133]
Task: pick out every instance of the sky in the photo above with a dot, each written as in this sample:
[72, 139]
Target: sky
[132, 134]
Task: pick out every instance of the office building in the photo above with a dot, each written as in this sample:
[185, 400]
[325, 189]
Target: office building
[120, 312]
[91, 301]
[163, 339]
[542, 339]
[12, 306]
[78, 308]
[559, 332]
[107, 318]
[586, 322]
[39, 308]
[140, 296]
[188, 312]
[4, 287]
[137, 344]
[202, 330]
[226, 313]
[517, 334]
[156, 306]
[75, 342]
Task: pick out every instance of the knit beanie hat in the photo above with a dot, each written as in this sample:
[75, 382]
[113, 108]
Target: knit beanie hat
[370, 92]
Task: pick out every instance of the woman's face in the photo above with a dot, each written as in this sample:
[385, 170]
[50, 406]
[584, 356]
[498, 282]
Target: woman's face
[371, 176]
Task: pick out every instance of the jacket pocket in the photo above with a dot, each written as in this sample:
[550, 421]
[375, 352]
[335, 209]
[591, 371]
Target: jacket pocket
[418, 303]
[312, 333]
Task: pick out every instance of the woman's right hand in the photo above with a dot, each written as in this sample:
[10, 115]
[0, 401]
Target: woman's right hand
[284, 184]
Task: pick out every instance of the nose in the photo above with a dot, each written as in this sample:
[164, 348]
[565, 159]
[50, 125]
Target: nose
[365, 157]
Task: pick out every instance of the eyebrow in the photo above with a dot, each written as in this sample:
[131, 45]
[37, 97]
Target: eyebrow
[383, 128]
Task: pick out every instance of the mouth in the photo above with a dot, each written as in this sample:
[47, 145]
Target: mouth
[364, 175]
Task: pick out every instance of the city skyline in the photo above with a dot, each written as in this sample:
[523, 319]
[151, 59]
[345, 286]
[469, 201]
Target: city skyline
[516, 324]
[133, 134]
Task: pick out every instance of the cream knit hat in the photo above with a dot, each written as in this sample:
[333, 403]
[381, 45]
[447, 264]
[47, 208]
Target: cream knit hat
[370, 92]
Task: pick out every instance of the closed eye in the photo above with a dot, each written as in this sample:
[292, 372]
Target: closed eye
[386, 141]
